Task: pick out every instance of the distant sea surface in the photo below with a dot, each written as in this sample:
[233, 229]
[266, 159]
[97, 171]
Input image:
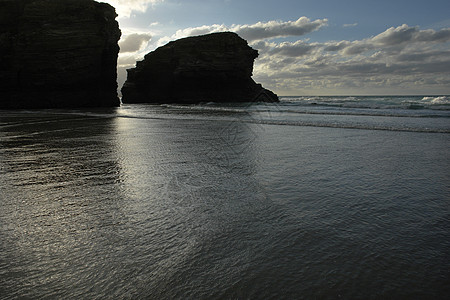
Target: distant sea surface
[309, 198]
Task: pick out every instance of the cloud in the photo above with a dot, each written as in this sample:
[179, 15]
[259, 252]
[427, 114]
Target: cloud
[193, 31]
[259, 31]
[399, 58]
[391, 42]
[133, 47]
[336, 46]
[287, 49]
[350, 25]
[134, 42]
[275, 29]
[357, 48]
[125, 8]
[430, 35]
[395, 36]
[406, 34]
[423, 56]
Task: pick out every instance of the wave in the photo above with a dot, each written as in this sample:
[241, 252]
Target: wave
[372, 102]
[283, 114]
[441, 100]
[251, 118]
[210, 106]
[318, 123]
[348, 126]
[367, 113]
[272, 109]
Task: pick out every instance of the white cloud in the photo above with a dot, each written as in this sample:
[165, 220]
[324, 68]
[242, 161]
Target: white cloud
[127, 61]
[406, 34]
[125, 8]
[395, 36]
[193, 31]
[275, 29]
[133, 47]
[134, 42]
[350, 25]
[260, 30]
[398, 58]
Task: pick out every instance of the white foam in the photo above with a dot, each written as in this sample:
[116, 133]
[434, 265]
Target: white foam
[441, 100]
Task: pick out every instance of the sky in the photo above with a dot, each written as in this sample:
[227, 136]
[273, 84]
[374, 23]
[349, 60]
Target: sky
[309, 47]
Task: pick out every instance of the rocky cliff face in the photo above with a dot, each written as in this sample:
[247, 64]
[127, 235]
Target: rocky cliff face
[215, 67]
[58, 53]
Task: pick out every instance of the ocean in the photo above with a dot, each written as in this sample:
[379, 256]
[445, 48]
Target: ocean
[309, 198]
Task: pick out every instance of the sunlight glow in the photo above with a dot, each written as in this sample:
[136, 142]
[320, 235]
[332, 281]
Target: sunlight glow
[125, 8]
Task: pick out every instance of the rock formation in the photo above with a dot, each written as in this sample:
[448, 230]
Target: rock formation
[210, 68]
[58, 53]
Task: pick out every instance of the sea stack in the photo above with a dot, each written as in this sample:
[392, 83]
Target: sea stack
[57, 54]
[210, 68]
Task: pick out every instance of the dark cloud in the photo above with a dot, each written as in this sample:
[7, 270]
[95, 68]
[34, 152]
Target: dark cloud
[294, 50]
[356, 48]
[337, 46]
[287, 49]
[423, 56]
[430, 35]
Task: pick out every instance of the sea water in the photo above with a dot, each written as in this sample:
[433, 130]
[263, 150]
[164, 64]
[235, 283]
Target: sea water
[309, 198]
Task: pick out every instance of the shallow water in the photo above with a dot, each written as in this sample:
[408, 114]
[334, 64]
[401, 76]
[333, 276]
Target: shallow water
[197, 202]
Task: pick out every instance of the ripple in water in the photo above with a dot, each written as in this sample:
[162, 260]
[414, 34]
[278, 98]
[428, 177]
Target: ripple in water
[102, 205]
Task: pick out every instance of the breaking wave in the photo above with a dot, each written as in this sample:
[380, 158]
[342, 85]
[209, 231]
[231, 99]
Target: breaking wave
[445, 100]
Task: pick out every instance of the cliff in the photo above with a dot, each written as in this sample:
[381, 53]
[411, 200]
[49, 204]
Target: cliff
[56, 53]
[215, 67]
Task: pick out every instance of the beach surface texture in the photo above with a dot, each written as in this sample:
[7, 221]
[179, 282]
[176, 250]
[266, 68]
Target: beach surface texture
[311, 197]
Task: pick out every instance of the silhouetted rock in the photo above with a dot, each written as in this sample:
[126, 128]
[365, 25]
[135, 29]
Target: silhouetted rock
[58, 53]
[215, 67]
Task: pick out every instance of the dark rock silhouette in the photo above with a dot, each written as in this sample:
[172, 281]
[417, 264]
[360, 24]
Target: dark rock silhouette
[215, 67]
[56, 53]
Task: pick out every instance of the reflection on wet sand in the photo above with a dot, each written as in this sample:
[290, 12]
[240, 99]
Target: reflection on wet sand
[194, 188]
[106, 205]
[60, 172]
